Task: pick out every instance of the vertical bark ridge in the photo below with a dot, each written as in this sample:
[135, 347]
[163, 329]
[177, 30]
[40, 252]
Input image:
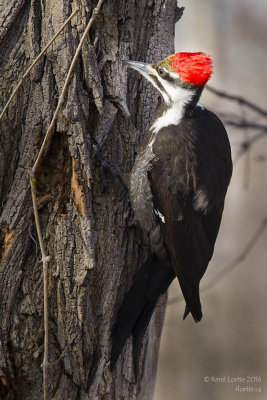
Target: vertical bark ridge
[94, 246]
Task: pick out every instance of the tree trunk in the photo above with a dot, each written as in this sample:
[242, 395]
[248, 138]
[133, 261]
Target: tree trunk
[93, 244]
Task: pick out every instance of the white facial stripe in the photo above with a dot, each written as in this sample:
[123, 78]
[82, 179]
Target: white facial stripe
[176, 92]
[154, 82]
[173, 115]
[174, 96]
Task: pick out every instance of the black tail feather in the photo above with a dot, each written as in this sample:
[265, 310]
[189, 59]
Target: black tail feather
[186, 312]
[136, 310]
[139, 331]
[130, 310]
[191, 294]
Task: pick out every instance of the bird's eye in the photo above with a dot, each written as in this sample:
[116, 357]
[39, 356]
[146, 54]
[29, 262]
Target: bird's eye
[161, 71]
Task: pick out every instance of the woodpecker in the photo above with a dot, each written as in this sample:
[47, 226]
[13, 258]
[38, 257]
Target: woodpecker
[177, 191]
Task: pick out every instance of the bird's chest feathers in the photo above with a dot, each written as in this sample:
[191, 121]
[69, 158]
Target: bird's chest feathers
[174, 109]
[172, 116]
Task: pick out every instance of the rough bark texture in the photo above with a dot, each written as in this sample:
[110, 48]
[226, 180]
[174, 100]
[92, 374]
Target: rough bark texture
[89, 234]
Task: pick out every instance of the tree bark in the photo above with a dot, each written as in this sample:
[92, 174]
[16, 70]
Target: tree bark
[90, 236]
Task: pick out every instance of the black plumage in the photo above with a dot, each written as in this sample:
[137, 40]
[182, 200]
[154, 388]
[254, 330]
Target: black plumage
[138, 306]
[189, 180]
[177, 190]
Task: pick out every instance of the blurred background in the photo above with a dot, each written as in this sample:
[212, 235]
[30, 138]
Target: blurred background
[231, 340]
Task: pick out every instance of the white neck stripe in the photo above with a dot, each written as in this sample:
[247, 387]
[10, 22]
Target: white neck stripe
[174, 114]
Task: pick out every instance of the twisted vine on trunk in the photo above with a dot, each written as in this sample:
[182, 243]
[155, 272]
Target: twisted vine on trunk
[89, 234]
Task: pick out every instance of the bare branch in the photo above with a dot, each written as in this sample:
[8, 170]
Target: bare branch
[246, 124]
[45, 258]
[64, 351]
[35, 62]
[247, 144]
[65, 87]
[240, 258]
[234, 120]
[238, 99]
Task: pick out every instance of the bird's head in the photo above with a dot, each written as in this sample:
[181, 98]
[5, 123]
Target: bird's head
[177, 75]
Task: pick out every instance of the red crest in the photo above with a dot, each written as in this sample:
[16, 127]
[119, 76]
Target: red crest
[192, 68]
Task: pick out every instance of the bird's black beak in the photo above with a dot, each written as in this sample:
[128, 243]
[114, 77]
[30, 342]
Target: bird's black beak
[143, 68]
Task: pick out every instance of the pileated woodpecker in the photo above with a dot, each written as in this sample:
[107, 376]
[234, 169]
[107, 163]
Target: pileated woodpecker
[177, 190]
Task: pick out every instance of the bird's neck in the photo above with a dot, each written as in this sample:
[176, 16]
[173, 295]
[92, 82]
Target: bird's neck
[172, 112]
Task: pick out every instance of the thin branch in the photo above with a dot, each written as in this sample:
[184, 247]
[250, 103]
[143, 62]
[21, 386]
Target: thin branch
[247, 144]
[246, 124]
[240, 258]
[237, 99]
[34, 63]
[233, 264]
[64, 351]
[32, 238]
[235, 120]
[238, 123]
[45, 260]
[65, 87]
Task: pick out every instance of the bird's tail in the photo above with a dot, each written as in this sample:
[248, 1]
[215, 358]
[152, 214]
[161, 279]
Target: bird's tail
[152, 280]
[190, 292]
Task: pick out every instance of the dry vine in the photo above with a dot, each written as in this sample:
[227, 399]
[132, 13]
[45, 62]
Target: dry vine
[48, 135]
[34, 63]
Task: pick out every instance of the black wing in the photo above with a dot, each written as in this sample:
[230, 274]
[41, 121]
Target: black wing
[189, 180]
